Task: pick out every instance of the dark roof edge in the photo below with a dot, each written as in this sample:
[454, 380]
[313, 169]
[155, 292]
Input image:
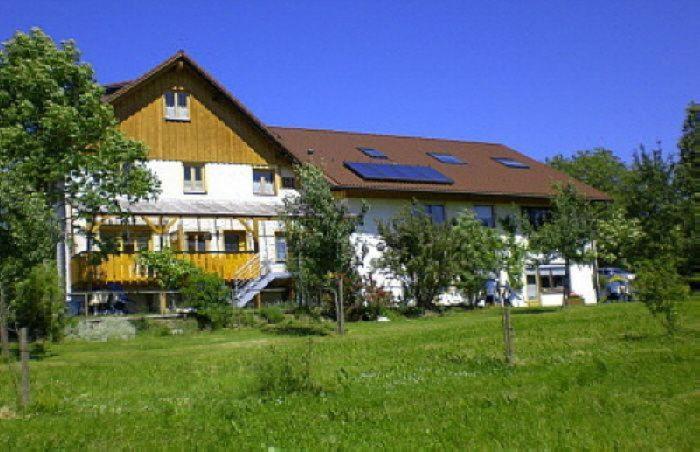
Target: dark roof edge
[390, 135]
[453, 192]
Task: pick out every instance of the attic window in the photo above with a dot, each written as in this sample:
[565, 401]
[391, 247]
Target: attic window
[511, 163]
[446, 158]
[374, 153]
[177, 106]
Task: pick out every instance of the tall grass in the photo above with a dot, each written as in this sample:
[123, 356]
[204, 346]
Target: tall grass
[600, 377]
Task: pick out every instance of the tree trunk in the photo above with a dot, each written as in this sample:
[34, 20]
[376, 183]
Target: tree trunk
[567, 282]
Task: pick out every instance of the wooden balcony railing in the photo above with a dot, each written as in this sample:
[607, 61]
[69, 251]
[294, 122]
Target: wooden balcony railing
[125, 269]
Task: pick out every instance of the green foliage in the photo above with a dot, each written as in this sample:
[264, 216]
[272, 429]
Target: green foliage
[28, 230]
[170, 272]
[418, 252]
[653, 194]
[273, 314]
[58, 143]
[39, 304]
[599, 167]
[318, 228]
[55, 131]
[206, 292]
[658, 285]
[568, 231]
[617, 236]
[475, 250]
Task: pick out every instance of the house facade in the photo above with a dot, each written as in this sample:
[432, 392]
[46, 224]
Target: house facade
[224, 175]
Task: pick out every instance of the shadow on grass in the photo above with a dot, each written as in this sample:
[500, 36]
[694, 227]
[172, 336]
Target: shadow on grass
[534, 311]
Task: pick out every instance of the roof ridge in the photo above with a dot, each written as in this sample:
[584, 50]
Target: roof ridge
[350, 132]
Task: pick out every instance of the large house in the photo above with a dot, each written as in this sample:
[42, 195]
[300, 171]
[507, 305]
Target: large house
[224, 175]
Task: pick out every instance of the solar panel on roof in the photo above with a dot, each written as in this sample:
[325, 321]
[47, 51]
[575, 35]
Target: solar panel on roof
[511, 163]
[398, 173]
[374, 153]
[446, 158]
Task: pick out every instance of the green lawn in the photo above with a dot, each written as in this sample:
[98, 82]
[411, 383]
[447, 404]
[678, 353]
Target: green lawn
[587, 377]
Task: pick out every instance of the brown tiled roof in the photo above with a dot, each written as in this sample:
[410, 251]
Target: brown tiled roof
[481, 175]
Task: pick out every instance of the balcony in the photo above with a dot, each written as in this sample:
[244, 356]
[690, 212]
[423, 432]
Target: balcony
[125, 269]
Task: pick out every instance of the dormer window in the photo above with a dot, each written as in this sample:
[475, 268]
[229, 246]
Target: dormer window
[177, 106]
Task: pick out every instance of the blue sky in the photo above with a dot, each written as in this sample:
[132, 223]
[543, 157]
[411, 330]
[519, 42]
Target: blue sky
[541, 77]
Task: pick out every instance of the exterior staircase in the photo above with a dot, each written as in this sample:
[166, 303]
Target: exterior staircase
[245, 290]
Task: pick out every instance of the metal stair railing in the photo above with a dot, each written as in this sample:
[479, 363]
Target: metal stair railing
[241, 278]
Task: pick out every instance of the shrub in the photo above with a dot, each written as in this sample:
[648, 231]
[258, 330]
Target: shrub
[661, 289]
[273, 314]
[102, 329]
[38, 304]
[208, 294]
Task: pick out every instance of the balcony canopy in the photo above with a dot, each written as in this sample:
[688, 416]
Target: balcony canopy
[201, 207]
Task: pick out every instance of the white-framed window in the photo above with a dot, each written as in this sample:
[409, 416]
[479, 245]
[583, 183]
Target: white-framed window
[436, 212]
[485, 215]
[193, 178]
[177, 105]
[280, 247]
[264, 182]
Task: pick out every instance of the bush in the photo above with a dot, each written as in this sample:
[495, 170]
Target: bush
[286, 373]
[661, 289]
[273, 314]
[208, 294]
[102, 329]
[38, 304]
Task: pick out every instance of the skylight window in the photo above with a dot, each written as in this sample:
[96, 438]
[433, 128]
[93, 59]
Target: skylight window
[446, 158]
[511, 163]
[374, 153]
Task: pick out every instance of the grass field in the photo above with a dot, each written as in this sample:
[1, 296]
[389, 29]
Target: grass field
[587, 377]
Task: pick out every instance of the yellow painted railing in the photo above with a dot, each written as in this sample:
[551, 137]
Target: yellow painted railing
[125, 269]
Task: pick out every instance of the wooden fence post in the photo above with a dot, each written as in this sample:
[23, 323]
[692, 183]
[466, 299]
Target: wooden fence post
[24, 357]
[341, 314]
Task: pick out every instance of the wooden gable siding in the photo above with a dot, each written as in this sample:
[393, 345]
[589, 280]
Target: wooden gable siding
[216, 132]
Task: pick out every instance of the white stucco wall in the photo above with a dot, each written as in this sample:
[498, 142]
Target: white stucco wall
[221, 181]
[384, 209]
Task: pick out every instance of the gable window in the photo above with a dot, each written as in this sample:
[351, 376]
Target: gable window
[485, 215]
[177, 106]
[436, 212]
[264, 182]
[193, 178]
[280, 247]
